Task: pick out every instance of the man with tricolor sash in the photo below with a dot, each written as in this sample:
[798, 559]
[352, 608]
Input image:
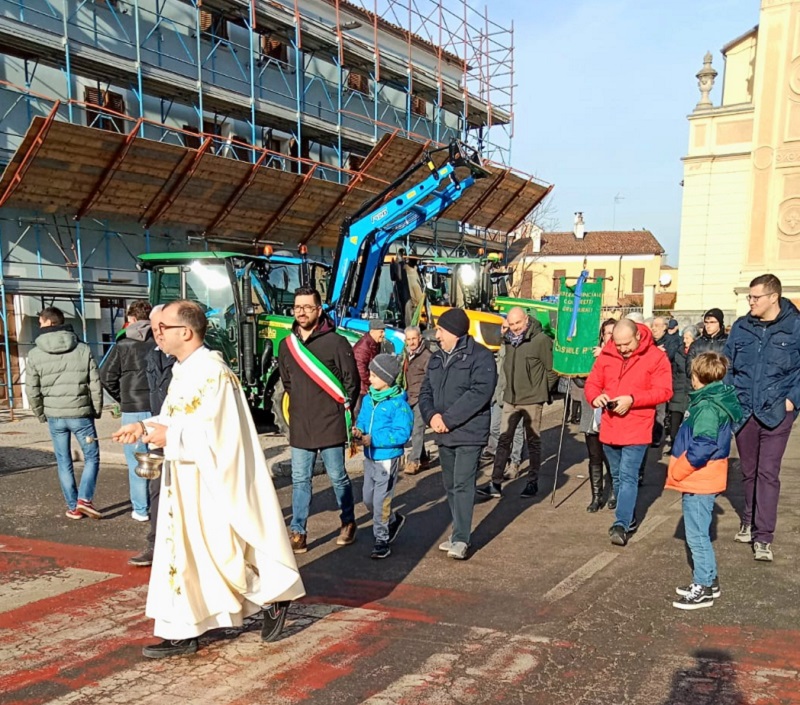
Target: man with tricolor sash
[320, 376]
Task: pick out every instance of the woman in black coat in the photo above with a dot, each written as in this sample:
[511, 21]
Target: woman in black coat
[681, 384]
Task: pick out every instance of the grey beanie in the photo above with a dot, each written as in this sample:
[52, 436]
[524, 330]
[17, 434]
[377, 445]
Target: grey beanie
[387, 367]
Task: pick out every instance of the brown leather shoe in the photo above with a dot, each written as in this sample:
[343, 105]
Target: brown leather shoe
[412, 468]
[298, 542]
[347, 534]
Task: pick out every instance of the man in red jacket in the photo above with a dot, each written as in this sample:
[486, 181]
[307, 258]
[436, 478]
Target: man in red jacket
[630, 378]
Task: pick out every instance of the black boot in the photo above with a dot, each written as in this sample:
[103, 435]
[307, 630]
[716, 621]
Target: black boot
[576, 411]
[612, 500]
[596, 482]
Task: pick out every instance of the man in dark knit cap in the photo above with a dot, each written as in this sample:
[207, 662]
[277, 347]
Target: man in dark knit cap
[455, 401]
[712, 339]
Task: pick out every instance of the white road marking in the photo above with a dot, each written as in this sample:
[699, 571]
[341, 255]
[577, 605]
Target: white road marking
[573, 581]
[648, 527]
[19, 593]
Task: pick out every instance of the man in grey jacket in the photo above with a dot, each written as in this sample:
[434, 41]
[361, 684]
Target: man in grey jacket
[528, 368]
[64, 390]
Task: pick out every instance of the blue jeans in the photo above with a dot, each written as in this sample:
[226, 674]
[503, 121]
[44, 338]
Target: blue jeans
[624, 462]
[61, 431]
[140, 498]
[302, 469]
[380, 479]
[697, 512]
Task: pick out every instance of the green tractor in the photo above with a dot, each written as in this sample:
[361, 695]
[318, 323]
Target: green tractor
[248, 301]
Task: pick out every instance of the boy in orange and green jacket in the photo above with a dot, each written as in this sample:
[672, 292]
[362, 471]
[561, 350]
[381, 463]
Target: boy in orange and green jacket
[698, 468]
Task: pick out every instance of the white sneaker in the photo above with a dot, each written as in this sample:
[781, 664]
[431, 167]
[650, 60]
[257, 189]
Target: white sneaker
[762, 551]
[744, 535]
[139, 517]
[458, 550]
[446, 545]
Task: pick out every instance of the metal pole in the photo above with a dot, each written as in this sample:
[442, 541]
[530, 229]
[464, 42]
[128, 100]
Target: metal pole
[299, 69]
[252, 35]
[199, 49]
[6, 344]
[67, 64]
[81, 290]
[560, 444]
[139, 88]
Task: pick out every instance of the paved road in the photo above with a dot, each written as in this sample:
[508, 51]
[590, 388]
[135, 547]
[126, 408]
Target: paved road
[545, 611]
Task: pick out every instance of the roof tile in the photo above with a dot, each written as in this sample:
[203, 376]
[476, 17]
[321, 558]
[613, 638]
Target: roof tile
[594, 243]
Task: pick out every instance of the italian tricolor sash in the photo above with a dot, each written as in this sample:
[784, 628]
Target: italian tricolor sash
[321, 376]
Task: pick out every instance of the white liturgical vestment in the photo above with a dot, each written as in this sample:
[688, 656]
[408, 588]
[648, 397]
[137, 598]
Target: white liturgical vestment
[222, 551]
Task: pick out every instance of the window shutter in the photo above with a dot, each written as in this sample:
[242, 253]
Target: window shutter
[638, 281]
[206, 20]
[599, 273]
[358, 82]
[526, 288]
[274, 48]
[557, 274]
[91, 95]
[419, 106]
[354, 162]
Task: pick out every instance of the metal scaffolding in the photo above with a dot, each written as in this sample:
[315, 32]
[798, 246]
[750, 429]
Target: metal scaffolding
[328, 86]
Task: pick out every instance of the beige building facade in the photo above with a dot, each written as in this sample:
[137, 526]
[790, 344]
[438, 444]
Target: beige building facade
[741, 198]
[630, 262]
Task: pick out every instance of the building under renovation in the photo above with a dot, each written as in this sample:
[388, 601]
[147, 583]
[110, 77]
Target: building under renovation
[133, 126]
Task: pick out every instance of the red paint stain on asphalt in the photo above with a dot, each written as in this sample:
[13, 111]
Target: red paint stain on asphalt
[766, 662]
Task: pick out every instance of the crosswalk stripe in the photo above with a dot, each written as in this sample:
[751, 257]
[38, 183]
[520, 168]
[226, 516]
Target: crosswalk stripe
[18, 593]
[461, 673]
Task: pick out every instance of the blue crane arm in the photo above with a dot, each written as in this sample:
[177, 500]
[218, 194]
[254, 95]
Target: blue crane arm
[417, 217]
[366, 237]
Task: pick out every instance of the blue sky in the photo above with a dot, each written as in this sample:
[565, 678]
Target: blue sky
[603, 90]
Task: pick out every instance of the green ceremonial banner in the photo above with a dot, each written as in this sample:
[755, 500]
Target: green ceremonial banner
[573, 356]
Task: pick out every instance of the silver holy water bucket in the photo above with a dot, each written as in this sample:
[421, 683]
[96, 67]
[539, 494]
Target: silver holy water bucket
[149, 464]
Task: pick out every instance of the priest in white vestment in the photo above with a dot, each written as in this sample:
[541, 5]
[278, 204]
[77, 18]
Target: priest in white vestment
[222, 552]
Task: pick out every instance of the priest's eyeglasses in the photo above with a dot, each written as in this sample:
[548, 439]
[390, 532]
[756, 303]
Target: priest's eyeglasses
[308, 308]
[162, 327]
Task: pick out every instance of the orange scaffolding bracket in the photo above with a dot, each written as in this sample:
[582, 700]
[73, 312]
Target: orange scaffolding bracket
[288, 202]
[179, 185]
[109, 171]
[27, 160]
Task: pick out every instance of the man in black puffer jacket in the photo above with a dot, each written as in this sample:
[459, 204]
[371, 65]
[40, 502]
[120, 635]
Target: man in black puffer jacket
[455, 401]
[712, 339]
[124, 376]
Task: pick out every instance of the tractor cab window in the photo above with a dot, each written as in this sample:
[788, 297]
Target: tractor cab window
[210, 286]
[167, 285]
[437, 285]
[320, 279]
[282, 281]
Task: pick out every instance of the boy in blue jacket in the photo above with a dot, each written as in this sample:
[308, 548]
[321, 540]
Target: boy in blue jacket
[383, 427]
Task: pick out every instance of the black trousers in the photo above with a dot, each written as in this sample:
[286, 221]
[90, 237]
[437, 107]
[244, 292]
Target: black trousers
[595, 448]
[154, 490]
[676, 419]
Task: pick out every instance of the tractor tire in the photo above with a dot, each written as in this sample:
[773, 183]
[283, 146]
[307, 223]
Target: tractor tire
[280, 409]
